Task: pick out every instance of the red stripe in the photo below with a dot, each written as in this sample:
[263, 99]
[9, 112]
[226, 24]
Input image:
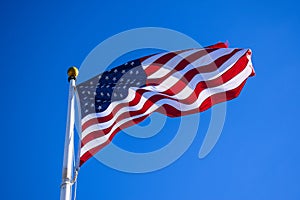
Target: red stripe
[93, 151]
[218, 45]
[176, 52]
[215, 46]
[157, 64]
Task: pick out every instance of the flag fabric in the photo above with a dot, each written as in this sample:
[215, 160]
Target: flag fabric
[173, 83]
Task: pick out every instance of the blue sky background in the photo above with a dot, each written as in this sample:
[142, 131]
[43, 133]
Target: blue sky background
[257, 156]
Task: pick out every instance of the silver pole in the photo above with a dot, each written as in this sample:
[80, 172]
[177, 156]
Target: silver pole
[67, 171]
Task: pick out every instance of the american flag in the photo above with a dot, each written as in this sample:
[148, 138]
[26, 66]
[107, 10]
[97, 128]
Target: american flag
[173, 83]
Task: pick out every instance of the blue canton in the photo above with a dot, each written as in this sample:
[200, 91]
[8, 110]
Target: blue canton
[97, 93]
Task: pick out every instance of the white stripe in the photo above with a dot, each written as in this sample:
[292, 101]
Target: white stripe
[232, 84]
[151, 59]
[173, 62]
[146, 63]
[169, 82]
[204, 60]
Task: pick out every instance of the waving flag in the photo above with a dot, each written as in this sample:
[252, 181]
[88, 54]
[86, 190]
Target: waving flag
[173, 83]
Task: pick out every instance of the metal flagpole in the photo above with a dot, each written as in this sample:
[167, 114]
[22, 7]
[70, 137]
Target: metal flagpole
[67, 171]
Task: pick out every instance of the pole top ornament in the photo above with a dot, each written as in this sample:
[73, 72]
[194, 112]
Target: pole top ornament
[72, 73]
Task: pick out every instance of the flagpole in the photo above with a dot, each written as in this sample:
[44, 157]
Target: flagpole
[67, 171]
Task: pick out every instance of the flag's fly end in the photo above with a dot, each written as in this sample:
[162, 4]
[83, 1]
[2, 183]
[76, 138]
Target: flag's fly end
[219, 45]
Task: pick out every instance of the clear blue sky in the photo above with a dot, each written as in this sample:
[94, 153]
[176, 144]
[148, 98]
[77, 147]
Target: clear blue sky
[258, 154]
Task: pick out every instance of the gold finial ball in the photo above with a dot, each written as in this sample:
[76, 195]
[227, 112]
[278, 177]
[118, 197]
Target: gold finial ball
[73, 71]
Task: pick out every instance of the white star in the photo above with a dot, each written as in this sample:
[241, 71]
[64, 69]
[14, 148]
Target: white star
[137, 72]
[123, 71]
[126, 64]
[86, 104]
[108, 94]
[132, 63]
[131, 72]
[115, 95]
[121, 95]
[86, 111]
[101, 94]
[91, 83]
[99, 107]
[106, 78]
[92, 105]
[115, 70]
[114, 78]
